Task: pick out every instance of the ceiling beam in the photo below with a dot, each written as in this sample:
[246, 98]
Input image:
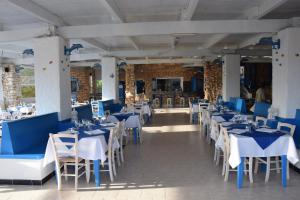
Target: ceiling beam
[186, 15]
[171, 28]
[160, 61]
[252, 13]
[117, 16]
[44, 15]
[189, 11]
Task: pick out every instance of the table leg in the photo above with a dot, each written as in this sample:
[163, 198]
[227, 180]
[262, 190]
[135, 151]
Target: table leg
[97, 173]
[283, 172]
[135, 135]
[240, 174]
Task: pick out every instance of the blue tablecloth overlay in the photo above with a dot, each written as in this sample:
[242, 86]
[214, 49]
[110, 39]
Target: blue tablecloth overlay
[122, 116]
[225, 116]
[263, 139]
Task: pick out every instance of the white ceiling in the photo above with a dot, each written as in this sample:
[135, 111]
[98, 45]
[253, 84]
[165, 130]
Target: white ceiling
[89, 12]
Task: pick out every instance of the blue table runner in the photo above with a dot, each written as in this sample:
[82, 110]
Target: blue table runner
[123, 116]
[264, 139]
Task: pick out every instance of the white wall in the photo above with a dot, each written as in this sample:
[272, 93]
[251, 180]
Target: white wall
[109, 84]
[231, 76]
[52, 77]
[286, 73]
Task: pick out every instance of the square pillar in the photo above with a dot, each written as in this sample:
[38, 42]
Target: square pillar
[52, 77]
[231, 76]
[286, 73]
[110, 78]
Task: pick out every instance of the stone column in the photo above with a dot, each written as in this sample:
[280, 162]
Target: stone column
[129, 84]
[52, 77]
[231, 76]
[212, 81]
[11, 85]
[110, 78]
[286, 73]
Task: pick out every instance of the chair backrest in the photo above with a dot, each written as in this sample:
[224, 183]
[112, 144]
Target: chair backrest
[64, 144]
[240, 106]
[286, 127]
[261, 109]
[261, 120]
[112, 135]
[226, 141]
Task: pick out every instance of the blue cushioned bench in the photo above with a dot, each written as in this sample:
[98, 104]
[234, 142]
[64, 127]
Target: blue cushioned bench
[28, 137]
[23, 147]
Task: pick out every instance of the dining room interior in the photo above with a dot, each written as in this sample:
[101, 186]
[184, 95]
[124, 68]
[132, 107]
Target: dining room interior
[149, 99]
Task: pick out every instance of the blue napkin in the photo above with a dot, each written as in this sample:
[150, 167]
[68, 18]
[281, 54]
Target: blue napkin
[236, 126]
[264, 139]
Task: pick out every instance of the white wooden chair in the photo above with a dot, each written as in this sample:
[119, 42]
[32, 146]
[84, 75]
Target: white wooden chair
[182, 102]
[156, 103]
[66, 154]
[226, 167]
[110, 162]
[121, 138]
[169, 102]
[269, 161]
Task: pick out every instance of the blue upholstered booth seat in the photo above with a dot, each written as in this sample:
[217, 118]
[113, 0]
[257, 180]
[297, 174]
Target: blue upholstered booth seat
[84, 112]
[110, 106]
[261, 109]
[27, 138]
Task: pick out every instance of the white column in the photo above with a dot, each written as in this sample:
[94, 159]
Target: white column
[52, 77]
[231, 76]
[286, 73]
[110, 78]
[1, 86]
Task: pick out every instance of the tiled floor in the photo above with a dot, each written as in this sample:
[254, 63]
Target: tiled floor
[173, 163]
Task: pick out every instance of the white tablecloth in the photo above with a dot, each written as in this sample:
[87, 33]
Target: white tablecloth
[131, 122]
[145, 108]
[242, 146]
[26, 110]
[90, 148]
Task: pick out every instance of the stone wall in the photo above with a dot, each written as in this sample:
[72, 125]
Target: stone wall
[11, 82]
[130, 84]
[150, 71]
[83, 75]
[212, 81]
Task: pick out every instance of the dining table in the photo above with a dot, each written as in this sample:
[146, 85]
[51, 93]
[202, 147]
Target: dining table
[132, 121]
[92, 145]
[260, 142]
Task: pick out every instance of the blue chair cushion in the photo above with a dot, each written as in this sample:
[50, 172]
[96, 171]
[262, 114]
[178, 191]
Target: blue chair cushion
[22, 156]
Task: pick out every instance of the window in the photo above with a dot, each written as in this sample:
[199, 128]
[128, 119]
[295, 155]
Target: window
[27, 82]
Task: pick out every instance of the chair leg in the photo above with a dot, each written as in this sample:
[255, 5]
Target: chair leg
[277, 164]
[58, 176]
[121, 150]
[87, 170]
[224, 166]
[118, 157]
[256, 166]
[66, 171]
[245, 168]
[113, 164]
[110, 169]
[268, 169]
[251, 169]
[218, 157]
[226, 171]
[76, 175]
[215, 155]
